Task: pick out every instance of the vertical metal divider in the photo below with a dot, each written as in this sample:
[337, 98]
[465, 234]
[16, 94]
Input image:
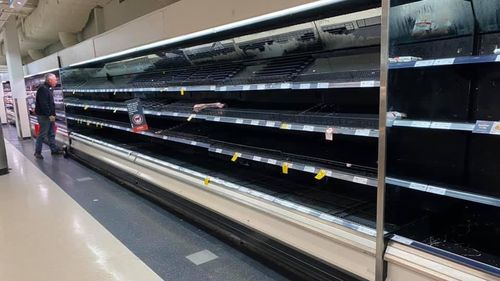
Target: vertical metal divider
[380, 265]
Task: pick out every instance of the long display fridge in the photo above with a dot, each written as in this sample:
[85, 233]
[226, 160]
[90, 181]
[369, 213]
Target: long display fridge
[267, 131]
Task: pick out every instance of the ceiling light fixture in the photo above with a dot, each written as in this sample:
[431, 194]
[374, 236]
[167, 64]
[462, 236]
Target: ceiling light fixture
[16, 4]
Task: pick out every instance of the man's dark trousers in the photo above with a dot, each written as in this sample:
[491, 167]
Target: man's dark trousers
[46, 130]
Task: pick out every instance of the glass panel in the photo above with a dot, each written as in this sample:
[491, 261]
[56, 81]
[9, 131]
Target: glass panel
[442, 162]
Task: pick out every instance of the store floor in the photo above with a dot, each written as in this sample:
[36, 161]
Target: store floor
[101, 231]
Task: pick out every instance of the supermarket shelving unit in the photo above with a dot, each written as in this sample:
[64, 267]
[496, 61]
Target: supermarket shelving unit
[9, 103]
[441, 157]
[267, 131]
[295, 140]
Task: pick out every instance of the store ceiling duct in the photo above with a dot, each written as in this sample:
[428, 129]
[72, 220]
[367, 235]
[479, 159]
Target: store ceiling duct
[54, 16]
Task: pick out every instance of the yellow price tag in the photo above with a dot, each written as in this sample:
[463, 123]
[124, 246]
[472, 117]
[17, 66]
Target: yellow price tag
[236, 155]
[182, 91]
[285, 126]
[206, 181]
[284, 168]
[321, 174]
[191, 117]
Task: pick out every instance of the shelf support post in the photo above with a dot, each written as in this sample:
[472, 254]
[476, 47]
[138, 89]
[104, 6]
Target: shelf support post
[380, 264]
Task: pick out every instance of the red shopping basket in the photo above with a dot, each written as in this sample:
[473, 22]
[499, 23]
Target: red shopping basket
[37, 129]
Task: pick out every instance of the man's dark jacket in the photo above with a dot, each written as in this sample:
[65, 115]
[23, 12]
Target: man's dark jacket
[45, 105]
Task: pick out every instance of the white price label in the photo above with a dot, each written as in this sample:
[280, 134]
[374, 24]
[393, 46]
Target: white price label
[327, 217]
[246, 87]
[424, 63]
[360, 180]
[194, 143]
[403, 240]
[365, 84]
[272, 161]
[218, 150]
[270, 124]
[257, 158]
[444, 61]
[498, 58]
[255, 122]
[305, 86]
[309, 169]
[267, 197]
[362, 132]
[224, 88]
[304, 210]
[308, 128]
[323, 85]
[239, 121]
[256, 193]
[285, 85]
[436, 190]
[418, 186]
[420, 124]
[441, 125]
[261, 87]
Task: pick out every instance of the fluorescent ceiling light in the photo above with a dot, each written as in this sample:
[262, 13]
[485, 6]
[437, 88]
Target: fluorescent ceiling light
[17, 3]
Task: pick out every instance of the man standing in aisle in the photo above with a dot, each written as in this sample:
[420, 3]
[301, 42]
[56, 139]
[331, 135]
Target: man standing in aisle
[46, 113]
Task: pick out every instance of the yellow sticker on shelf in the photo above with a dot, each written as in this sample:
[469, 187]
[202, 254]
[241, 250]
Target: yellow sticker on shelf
[182, 91]
[191, 117]
[285, 126]
[236, 155]
[284, 168]
[206, 181]
[321, 174]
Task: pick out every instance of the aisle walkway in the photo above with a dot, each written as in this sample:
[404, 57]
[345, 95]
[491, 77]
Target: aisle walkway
[170, 247]
[46, 235]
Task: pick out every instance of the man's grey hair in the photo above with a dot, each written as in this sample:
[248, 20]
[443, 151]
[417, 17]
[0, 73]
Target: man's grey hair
[48, 76]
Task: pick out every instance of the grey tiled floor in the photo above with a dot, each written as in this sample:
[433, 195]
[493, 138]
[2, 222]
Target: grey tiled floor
[159, 238]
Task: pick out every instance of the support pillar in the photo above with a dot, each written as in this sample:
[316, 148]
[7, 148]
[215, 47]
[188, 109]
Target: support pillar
[15, 67]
